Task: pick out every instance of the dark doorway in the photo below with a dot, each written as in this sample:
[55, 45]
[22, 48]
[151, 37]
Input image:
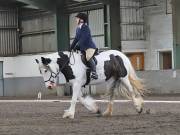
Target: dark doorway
[165, 60]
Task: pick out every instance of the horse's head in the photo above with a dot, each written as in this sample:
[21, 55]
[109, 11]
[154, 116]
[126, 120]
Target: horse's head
[49, 70]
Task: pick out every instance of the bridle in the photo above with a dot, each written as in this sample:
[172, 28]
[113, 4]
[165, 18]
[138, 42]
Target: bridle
[53, 74]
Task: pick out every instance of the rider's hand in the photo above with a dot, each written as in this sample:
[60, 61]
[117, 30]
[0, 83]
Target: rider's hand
[70, 48]
[76, 48]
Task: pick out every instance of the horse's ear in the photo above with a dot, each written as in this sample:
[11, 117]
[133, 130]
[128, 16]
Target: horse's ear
[61, 54]
[45, 61]
[37, 61]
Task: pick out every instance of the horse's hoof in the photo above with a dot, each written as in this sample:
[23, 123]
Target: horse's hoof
[148, 111]
[68, 115]
[99, 113]
[140, 111]
[66, 110]
[107, 114]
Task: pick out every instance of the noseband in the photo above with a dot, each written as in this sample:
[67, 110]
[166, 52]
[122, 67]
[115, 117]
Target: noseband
[53, 75]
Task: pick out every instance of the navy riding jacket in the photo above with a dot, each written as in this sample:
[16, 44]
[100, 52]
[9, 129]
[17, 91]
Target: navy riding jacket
[83, 39]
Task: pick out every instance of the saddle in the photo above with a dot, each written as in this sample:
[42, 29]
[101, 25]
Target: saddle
[85, 62]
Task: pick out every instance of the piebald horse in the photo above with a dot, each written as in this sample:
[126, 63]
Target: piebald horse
[113, 68]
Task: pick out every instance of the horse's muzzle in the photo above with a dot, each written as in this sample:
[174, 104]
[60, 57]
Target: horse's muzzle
[49, 87]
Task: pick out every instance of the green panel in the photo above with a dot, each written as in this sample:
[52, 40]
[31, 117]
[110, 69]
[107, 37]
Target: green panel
[176, 32]
[62, 30]
[112, 25]
[107, 27]
[177, 56]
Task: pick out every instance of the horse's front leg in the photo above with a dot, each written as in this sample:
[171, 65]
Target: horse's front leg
[89, 103]
[71, 111]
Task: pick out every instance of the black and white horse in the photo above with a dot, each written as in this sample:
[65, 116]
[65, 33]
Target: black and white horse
[113, 68]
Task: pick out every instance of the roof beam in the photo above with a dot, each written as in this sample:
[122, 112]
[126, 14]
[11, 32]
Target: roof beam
[83, 6]
[104, 1]
[39, 4]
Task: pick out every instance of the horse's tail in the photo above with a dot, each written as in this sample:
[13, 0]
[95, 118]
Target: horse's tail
[136, 82]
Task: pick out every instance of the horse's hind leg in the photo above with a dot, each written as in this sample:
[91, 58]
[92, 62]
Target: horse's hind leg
[136, 97]
[109, 108]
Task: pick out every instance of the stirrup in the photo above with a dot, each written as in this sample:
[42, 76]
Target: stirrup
[94, 75]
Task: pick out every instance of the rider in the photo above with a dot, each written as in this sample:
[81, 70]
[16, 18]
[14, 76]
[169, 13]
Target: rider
[83, 42]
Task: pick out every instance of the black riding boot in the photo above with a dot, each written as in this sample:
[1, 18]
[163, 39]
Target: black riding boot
[92, 65]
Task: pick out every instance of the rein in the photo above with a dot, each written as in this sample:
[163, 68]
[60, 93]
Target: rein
[54, 75]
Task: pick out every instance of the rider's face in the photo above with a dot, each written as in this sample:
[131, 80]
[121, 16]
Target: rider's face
[77, 20]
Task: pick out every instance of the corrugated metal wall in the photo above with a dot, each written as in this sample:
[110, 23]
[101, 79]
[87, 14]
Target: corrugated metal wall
[96, 24]
[72, 26]
[132, 20]
[38, 32]
[9, 43]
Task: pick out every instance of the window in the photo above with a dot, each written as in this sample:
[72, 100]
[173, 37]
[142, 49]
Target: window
[165, 60]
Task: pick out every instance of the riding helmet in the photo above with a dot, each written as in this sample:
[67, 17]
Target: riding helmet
[82, 16]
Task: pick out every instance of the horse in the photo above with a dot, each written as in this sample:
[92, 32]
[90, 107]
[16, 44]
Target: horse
[114, 69]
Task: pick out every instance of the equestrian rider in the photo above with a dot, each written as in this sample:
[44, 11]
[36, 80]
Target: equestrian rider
[83, 42]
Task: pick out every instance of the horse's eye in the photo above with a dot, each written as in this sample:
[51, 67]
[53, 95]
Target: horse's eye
[45, 71]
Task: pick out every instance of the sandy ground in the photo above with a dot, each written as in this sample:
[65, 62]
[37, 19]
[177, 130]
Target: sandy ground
[38, 118]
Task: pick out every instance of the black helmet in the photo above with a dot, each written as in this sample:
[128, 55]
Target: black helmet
[82, 16]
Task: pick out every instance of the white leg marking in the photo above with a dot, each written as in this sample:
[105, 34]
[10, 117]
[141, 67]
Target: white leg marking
[39, 96]
[71, 111]
[89, 103]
